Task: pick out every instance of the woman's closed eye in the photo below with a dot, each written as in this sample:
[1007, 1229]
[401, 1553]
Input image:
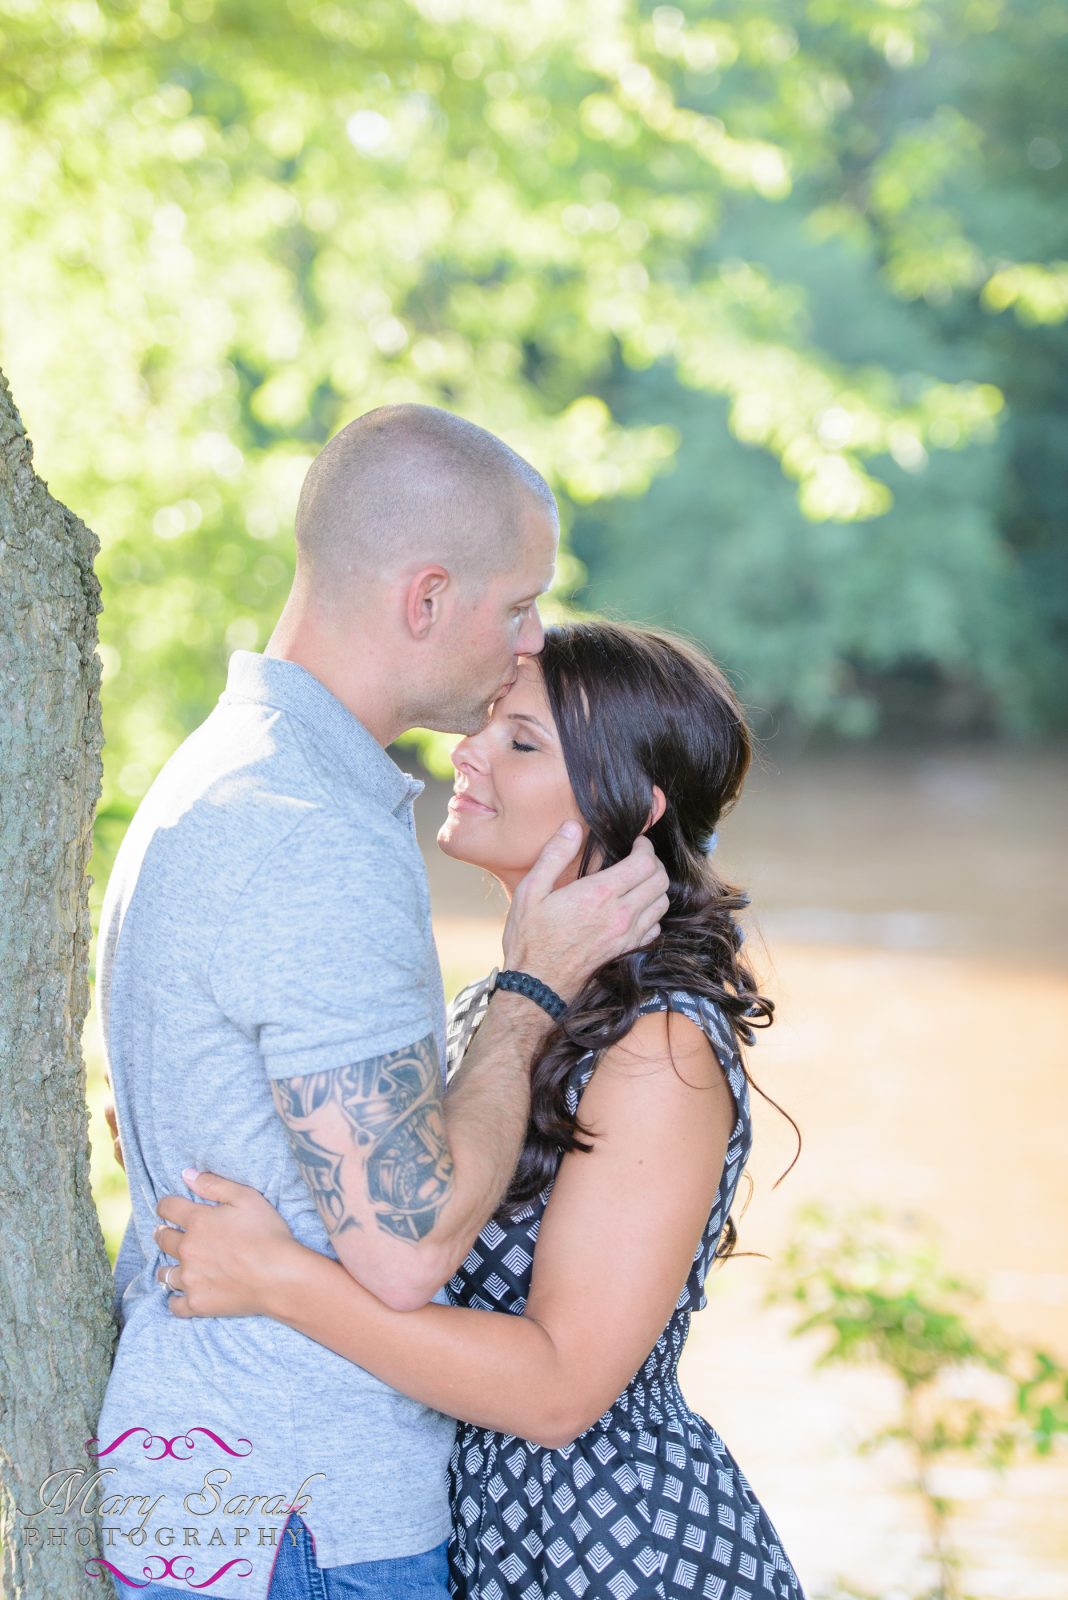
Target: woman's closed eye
[517, 745]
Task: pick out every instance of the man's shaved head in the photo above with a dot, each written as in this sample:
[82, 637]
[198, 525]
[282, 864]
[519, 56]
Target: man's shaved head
[409, 483]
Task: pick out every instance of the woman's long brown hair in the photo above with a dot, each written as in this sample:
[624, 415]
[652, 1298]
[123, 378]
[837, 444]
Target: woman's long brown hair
[635, 707]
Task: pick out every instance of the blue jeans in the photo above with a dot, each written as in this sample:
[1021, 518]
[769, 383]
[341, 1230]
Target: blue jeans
[296, 1576]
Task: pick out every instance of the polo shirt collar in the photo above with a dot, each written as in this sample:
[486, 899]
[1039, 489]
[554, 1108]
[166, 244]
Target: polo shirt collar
[271, 681]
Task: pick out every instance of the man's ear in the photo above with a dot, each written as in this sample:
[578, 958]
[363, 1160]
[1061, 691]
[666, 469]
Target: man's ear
[423, 599]
[659, 806]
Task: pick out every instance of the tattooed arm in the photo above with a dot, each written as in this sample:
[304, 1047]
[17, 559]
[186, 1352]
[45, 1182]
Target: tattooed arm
[405, 1177]
[375, 1132]
[623, 1223]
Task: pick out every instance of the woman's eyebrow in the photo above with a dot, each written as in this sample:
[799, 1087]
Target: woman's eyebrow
[522, 716]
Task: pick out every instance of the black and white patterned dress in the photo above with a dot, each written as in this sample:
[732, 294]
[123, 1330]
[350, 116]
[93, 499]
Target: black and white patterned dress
[648, 1501]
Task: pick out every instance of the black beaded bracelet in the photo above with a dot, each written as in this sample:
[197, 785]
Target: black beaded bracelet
[523, 983]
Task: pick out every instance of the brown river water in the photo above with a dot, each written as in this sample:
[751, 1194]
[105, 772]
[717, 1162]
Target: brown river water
[910, 920]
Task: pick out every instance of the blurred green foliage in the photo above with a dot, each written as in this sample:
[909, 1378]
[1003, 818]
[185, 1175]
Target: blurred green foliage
[927, 234]
[774, 293]
[876, 1292]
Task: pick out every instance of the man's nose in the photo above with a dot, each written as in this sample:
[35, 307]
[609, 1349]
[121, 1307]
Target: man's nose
[531, 634]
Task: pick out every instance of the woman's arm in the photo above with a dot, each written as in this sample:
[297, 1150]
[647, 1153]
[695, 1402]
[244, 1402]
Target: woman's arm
[614, 1248]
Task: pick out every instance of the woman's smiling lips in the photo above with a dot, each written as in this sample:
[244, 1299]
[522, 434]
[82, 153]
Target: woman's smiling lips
[466, 802]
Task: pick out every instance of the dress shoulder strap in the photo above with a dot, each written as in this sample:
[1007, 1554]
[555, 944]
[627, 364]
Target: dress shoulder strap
[714, 1023]
[465, 1014]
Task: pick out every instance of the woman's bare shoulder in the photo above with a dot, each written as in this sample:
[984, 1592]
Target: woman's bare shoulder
[664, 1043]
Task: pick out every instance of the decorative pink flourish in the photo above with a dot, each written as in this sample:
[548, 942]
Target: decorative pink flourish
[95, 1569]
[114, 1445]
[151, 1439]
[187, 1577]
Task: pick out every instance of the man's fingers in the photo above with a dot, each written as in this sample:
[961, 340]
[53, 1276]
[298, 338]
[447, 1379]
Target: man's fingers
[637, 869]
[660, 908]
[561, 849]
[646, 922]
[649, 892]
[564, 935]
[650, 916]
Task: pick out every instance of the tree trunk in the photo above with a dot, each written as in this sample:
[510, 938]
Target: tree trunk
[56, 1327]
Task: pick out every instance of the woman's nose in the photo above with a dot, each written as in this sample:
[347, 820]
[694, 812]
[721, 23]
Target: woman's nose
[468, 754]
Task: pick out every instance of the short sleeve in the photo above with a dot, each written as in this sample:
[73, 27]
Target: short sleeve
[323, 958]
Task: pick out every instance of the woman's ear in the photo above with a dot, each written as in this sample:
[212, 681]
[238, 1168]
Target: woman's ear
[656, 811]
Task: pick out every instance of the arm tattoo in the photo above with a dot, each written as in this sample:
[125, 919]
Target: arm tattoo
[321, 1167]
[391, 1105]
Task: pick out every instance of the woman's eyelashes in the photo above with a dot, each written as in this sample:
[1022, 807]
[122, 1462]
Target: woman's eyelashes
[517, 745]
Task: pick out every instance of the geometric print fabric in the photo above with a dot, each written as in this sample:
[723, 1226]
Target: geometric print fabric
[648, 1501]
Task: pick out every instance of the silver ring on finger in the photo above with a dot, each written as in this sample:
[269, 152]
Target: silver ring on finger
[167, 1284]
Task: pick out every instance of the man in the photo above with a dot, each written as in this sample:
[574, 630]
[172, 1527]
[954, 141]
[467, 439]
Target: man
[272, 1008]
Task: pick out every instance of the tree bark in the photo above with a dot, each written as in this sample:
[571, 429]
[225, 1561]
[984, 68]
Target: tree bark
[56, 1326]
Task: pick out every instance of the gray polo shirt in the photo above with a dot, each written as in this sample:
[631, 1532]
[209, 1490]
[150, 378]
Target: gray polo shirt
[267, 916]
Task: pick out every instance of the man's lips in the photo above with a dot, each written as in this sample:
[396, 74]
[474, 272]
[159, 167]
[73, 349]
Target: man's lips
[466, 802]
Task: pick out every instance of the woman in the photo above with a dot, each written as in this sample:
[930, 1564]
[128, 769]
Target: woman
[578, 1467]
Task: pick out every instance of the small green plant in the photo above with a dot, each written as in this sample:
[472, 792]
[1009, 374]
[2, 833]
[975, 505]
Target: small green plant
[876, 1289]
